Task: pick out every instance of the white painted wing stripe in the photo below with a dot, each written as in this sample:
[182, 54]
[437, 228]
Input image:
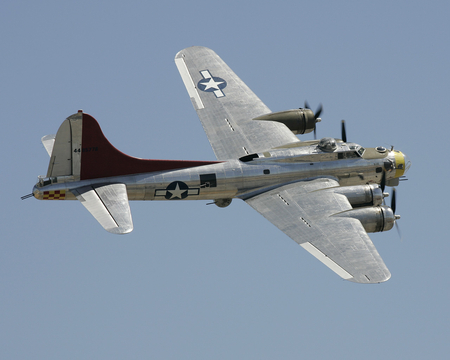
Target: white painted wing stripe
[326, 260]
[189, 84]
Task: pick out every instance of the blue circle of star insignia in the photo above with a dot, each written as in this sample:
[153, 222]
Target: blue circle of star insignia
[176, 190]
[212, 84]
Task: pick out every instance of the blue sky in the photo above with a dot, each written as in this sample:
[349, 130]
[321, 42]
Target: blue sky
[196, 281]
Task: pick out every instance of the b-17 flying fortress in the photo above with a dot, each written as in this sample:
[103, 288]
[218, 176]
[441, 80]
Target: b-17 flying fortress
[325, 194]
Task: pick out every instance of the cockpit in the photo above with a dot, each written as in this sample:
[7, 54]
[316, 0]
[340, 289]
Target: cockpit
[344, 150]
[358, 148]
[325, 149]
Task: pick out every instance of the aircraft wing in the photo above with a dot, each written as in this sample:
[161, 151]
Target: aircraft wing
[304, 211]
[226, 106]
[109, 205]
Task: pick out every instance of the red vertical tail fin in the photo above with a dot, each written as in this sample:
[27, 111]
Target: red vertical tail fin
[82, 151]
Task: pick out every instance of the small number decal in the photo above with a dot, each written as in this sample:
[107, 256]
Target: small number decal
[94, 148]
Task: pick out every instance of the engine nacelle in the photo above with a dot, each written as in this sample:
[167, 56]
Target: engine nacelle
[299, 121]
[373, 219]
[361, 195]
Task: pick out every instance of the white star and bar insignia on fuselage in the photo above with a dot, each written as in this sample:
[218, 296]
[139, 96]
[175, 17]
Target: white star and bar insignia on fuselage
[177, 190]
[211, 84]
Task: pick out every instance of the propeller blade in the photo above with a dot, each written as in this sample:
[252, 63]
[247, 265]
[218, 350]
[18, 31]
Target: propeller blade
[343, 133]
[398, 231]
[316, 116]
[383, 181]
[318, 111]
[393, 205]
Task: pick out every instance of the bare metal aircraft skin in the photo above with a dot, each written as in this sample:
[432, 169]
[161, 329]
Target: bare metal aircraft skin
[325, 194]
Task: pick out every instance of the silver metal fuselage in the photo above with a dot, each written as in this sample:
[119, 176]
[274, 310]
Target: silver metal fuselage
[242, 179]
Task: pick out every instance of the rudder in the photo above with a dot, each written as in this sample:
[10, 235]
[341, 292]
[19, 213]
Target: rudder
[65, 160]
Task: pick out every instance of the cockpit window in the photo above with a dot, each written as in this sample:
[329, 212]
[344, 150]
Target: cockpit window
[348, 155]
[361, 151]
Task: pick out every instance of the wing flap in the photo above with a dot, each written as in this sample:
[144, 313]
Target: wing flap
[109, 206]
[304, 213]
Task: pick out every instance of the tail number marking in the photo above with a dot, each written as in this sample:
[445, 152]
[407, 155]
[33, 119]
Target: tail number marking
[94, 148]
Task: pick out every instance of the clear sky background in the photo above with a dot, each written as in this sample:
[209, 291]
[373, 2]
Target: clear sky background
[197, 281]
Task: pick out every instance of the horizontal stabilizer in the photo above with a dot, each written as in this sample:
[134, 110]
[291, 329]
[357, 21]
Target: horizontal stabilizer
[109, 205]
[48, 141]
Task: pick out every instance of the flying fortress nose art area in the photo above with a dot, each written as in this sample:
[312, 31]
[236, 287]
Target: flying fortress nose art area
[326, 194]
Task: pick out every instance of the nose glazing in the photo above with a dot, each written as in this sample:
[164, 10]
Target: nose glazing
[402, 163]
[407, 162]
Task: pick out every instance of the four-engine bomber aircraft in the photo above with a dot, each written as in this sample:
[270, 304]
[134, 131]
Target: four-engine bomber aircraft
[325, 194]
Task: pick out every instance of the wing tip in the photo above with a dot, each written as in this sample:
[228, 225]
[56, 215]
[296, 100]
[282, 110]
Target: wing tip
[195, 48]
[366, 279]
[120, 230]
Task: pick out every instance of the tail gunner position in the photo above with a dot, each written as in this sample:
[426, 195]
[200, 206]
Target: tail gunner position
[326, 195]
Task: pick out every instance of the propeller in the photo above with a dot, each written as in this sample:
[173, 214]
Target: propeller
[397, 217]
[343, 133]
[383, 181]
[316, 116]
[393, 200]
